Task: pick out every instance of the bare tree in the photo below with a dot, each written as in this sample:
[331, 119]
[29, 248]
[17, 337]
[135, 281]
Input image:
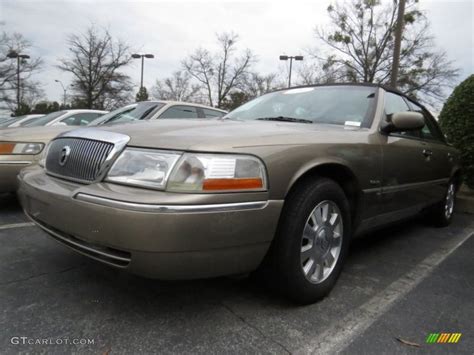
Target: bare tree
[178, 87]
[95, 62]
[221, 72]
[360, 45]
[251, 86]
[200, 65]
[318, 72]
[254, 84]
[31, 93]
[15, 42]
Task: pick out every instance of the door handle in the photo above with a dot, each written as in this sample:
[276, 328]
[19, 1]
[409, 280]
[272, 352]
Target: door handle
[427, 152]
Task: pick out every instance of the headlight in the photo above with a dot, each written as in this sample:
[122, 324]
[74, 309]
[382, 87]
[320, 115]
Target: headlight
[143, 167]
[44, 154]
[217, 173]
[188, 172]
[9, 148]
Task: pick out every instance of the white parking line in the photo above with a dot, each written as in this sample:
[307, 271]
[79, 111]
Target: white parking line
[16, 225]
[338, 336]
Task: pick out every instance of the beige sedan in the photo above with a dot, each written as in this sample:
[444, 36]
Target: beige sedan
[281, 184]
[22, 146]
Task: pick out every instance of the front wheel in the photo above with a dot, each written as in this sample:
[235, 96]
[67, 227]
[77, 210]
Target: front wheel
[312, 240]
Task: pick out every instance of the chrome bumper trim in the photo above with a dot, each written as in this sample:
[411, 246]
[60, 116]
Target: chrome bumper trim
[82, 247]
[15, 162]
[141, 207]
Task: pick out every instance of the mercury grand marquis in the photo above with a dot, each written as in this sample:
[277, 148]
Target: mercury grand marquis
[279, 185]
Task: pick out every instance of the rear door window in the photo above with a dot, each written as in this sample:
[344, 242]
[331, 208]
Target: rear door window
[212, 113]
[180, 111]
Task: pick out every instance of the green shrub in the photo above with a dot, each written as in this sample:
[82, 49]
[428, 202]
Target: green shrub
[457, 121]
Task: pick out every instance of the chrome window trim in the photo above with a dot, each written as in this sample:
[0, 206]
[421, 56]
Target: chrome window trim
[142, 207]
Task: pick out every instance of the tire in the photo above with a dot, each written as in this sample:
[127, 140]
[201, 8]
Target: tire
[286, 268]
[441, 214]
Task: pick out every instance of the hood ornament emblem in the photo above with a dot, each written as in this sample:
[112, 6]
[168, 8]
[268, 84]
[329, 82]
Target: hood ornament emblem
[64, 155]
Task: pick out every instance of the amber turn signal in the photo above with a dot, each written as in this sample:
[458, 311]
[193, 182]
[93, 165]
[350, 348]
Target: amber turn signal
[7, 148]
[232, 184]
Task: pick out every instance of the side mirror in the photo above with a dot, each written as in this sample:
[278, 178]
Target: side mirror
[404, 121]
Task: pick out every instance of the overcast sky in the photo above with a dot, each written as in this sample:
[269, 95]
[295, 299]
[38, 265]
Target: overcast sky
[171, 30]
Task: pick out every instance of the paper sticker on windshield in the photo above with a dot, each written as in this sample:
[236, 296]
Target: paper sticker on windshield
[352, 123]
[297, 91]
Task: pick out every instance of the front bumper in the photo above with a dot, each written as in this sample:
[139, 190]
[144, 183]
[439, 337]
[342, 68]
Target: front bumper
[146, 233]
[10, 166]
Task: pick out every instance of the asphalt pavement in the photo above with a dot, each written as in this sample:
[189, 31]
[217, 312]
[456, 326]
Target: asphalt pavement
[399, 285]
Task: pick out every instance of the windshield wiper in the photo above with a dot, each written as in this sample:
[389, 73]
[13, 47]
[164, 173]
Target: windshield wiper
[284, 119]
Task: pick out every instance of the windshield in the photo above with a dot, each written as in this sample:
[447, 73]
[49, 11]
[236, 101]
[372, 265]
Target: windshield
[44, 120]
[139, 111]
[27, 120]
[321, 104]
[19, 121]
[10, 121]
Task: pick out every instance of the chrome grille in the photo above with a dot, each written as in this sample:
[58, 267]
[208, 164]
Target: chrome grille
[84, 158]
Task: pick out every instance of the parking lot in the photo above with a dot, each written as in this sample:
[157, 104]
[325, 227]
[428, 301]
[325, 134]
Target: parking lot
[399, 285]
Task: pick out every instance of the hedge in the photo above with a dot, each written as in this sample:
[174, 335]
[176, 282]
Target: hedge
[457, 122]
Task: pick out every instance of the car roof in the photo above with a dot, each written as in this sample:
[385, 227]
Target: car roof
[83, 110]
[32, 115]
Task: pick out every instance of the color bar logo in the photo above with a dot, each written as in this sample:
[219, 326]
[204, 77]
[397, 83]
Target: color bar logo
[443, 338]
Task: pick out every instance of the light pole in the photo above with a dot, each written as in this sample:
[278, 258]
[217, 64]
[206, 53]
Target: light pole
[397, 44]
[286, 57]
[64, 91]
[142, 56]
[18, 57]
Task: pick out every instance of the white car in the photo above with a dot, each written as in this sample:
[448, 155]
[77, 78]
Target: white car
[66, 118]
[19, 121]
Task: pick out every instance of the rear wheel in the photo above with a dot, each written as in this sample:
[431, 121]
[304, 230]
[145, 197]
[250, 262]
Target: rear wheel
[312, 240]
[441, 214]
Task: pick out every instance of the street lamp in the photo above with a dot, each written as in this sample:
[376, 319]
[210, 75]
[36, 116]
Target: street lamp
[64, 91]
[18, 57]
[142, 56]
[286, 57]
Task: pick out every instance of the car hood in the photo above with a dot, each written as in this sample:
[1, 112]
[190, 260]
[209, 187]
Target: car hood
[32, 134]
[219, 135]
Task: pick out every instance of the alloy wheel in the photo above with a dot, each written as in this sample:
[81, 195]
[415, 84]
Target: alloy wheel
[321, 241]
